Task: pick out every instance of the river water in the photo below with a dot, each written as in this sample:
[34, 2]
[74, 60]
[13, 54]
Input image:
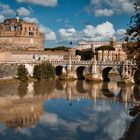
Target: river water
[66, 110]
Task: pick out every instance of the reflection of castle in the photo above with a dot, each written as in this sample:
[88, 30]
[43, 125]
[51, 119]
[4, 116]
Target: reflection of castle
[21, 113]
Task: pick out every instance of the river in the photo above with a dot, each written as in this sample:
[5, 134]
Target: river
[66, 110]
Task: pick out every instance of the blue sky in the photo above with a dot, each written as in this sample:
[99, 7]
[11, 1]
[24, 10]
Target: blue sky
[63, 21]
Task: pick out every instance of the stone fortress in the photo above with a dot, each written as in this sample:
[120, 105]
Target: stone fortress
[18, 34]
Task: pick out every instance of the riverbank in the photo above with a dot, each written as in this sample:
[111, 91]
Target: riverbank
[14, 80]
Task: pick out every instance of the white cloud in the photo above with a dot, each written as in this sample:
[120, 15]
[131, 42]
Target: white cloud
[28, 19]
[104, 12]
[49, 34]
[6, 10]
[22, 11]
[112, 125]
[120, 33]
[101, 32]
[51, 3]
[1, 18]
[110, 7]
[67, 34]
[49, 118]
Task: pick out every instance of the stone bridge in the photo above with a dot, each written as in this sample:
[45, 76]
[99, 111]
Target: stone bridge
[91, 70]
[97, 70]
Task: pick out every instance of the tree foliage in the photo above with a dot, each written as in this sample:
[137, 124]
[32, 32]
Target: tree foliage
[44, 71]
[37, 72]
[64, 48]
[133, 31]
[22, 73]
[85, 55]
[109, 48]
[132, 35]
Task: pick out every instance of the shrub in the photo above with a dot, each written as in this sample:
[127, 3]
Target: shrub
[22, 73]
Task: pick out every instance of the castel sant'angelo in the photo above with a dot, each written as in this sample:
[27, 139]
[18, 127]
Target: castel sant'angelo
[17, 34]
[22, 41]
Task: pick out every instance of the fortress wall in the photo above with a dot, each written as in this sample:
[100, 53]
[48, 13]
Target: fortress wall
[5, 56]
[8, 70]
[22, 42]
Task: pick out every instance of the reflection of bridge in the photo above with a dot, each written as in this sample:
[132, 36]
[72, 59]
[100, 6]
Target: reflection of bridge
[24, 111]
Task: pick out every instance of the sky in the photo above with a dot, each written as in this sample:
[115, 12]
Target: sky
[64, 21]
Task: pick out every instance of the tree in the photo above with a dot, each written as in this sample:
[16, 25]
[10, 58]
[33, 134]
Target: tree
[49, 71]
[22, 73]
[132, 39]
[61, 48]
[133, 31]
[37, 72]
[132, 35]
[86, 54]
[44, 71]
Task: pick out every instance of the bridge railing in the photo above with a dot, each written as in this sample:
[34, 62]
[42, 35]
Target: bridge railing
[67, 62]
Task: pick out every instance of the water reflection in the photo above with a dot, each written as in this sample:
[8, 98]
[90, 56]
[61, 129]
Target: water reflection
[78, 109]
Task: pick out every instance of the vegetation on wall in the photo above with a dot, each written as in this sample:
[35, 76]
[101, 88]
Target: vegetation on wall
[44, 70]
[85, 55]
[22, 73]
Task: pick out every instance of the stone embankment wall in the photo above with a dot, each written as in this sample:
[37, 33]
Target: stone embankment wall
[8, 70]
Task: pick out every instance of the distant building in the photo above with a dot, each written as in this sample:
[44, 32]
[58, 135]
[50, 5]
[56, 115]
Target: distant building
[117, 55]
[17, 34]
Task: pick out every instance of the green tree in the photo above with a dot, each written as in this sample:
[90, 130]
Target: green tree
[132, 39]
[85, 55]
[49, 72]
[64, 48]
[22, 73]
[37, 72]
[44, 71]
[132, 35]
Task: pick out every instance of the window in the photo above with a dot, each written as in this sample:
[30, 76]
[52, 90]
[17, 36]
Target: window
[31, 33]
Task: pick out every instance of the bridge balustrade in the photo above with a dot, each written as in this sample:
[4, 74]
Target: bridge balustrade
[75, 62]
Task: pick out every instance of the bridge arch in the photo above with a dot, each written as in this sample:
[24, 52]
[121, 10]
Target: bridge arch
[107, 70]
[79, 72]
[58, 70]
[80, 87]
[105, 73]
